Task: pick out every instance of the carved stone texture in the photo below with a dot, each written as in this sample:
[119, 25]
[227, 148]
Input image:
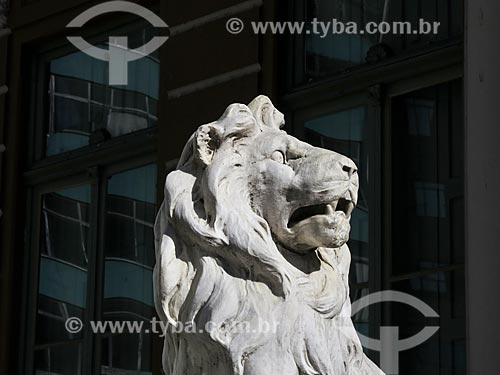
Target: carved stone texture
[252, 262]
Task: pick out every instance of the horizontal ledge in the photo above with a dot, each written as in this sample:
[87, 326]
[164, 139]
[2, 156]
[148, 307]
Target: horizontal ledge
[213, 81]
[230, 11]
[386, 72]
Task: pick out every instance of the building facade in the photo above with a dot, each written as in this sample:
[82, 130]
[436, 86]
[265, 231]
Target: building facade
[83, 164]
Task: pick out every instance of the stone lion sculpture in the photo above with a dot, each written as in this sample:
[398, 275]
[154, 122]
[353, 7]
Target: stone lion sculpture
[252, 264]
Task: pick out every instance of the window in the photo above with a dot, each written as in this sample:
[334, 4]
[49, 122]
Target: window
[427, 250]
[129, 259]
[349, 136]
[92, 193]
[404, 129]
[424, 254]
[347, 126]
[319, 56]
[77, 106]
[62, 280]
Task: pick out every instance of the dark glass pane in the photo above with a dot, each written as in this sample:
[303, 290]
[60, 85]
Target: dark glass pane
[428, 209]
[328, 53]
[82, 101]
[362, 322]
[346, 132]
[69, 86]
[63, 359]
[127, 351]
[129, 99]
[443, 353]
[361, 319]
[62, 287]
[129, 260]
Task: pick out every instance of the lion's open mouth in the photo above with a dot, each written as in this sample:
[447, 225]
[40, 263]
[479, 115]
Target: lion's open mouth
[303, 213]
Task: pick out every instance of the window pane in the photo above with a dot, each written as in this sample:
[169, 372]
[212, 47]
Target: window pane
[329, 53]
[428, 224]
[443, 353]
[361, 319]
[63, 359]
[62, 287]
[346, 132]
[82, 102]
[364, 319]
[129, 261]
[428, 208]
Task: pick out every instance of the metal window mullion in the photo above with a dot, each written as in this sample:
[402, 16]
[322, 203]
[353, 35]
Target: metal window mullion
[89, 103]
[59, 318]
[52, 91]
[82, 231]
[47, 231]
[146, 99]
[80, 358]
[65, 217]
[110, 353]
[134, 202]
[30, 282]
[139, 350]
[111, 101]
[137, 220]
[111, 106]
[94, 272]
[375, 258]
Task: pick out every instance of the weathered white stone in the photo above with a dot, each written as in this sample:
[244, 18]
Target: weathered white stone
[251, 253]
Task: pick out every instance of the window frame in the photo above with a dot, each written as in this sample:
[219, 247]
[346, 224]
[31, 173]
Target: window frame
[97, 177]
[370, 99]
[394, 90]
[375, 87]
[294, 79]
[39, 91]
[93, 165]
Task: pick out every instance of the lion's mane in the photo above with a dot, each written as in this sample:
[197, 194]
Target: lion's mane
[217, 262]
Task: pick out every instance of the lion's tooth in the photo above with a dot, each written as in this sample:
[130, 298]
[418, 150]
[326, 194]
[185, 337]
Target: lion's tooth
[334, 204]
[350, 208]
[329, 210]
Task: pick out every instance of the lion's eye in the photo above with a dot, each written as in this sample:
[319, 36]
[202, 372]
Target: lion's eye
[279, 157]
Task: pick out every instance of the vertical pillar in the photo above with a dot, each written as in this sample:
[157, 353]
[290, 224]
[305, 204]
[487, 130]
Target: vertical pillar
[482, 199]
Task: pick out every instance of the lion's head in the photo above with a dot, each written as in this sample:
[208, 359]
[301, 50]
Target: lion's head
[252, 213]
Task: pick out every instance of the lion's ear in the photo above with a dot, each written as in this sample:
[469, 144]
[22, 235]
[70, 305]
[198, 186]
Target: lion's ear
[207, 140]
[266, 114]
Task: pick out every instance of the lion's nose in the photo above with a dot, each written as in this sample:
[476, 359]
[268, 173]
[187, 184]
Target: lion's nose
[349, 167]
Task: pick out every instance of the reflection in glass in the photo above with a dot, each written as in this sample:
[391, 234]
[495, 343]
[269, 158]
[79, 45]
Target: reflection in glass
[346, 132]
[82, 102]
[428, 225]
[428, 179]
[62, 287]
[329, 52]
[332, 52]
[443, 353]
[129, 260]
[361, 319]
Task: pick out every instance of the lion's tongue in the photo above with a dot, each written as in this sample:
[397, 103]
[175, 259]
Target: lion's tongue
[321, 231]
[331, 217]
